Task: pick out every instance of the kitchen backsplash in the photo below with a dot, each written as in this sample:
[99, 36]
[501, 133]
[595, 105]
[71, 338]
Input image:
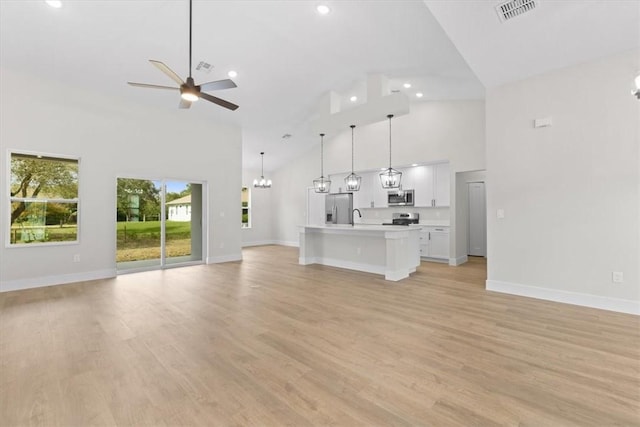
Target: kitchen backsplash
[428, 216]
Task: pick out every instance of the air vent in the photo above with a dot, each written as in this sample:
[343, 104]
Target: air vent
[511, 9]
[204, 67]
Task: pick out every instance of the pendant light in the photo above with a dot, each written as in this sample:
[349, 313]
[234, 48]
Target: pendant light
[637, 91]
[390, 178]
[322, 184]
[262, 183]
[352, 181]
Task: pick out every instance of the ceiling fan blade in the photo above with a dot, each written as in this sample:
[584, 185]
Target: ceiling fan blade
[217, 85]
[153, 86]
[184, 104]
[168, 71]
[218, 101]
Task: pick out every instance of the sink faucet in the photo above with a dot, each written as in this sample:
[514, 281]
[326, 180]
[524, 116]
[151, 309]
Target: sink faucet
[352, 215]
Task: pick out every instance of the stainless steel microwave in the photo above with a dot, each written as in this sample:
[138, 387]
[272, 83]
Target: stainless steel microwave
[400, 198]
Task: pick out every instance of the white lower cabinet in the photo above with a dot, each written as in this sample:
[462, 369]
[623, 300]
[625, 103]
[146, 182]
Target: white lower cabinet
[434, 243]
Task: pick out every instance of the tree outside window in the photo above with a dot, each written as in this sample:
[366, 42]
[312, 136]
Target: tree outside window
[44, 199]
[246, 208]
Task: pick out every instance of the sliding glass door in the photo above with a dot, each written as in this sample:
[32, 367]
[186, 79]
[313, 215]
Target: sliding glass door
[159, 224]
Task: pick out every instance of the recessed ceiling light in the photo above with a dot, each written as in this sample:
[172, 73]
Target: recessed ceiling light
[323, 9]
[353, 98]
[54, 3]
[407, 85]
[232, 74]
[414, 164]
[419, 94]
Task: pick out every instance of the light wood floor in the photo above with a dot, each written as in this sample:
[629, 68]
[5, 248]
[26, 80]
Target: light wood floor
[268, 342]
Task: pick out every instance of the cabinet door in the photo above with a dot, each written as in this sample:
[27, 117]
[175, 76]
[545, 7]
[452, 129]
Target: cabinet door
[407, 178]
[363, 198]
[439, 244]
[422, 178]
[380, 195]
[442, 185]
[337, 182]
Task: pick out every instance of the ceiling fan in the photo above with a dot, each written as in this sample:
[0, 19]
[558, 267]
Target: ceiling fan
[189, 91]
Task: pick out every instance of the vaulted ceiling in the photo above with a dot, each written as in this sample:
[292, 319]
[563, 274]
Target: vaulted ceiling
[288, 56]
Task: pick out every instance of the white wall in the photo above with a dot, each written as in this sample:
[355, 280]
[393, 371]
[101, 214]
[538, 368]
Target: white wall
[433, 131]
[260, 232]
[570, 191]
[112, 139]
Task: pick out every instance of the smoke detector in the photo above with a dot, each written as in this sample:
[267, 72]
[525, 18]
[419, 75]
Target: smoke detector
[510, 9]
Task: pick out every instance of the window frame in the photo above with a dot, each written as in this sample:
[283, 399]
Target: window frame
[248, 208]
[11, 200]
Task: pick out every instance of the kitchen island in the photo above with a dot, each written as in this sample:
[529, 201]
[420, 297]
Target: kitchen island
[392, 251]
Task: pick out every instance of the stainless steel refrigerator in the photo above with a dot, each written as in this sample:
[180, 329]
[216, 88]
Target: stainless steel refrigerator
[338, 208]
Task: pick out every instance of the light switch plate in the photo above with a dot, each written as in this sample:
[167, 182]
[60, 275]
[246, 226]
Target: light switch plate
[617, 277]
[500, 213]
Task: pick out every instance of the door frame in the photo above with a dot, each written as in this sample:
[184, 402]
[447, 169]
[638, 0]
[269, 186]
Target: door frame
[204, 226]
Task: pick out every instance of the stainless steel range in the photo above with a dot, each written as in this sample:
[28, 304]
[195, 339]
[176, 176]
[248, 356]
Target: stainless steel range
[403, 219]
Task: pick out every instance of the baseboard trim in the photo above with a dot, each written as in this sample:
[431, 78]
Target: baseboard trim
[224, 258]
[586, 300]
[332, 262]
[295, 244]
[259, 243]
[62, 279]
[454, 262]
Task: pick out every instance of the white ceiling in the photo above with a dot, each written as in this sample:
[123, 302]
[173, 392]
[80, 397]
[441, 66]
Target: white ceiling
[555, 34]
[288, 56]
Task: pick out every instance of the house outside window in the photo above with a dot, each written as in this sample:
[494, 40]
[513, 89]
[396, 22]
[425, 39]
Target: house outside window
[44, 199]
[246, 208]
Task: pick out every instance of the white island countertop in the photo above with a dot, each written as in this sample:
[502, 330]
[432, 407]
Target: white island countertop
[390, 250]
[362, 227]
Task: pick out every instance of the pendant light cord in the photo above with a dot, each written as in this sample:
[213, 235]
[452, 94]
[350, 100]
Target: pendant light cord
[390, 116]
[190, 7]
[322, 155]
[262, 168]
[352, 151]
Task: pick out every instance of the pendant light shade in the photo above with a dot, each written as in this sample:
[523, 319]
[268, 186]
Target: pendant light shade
[262, 183]
[352, 181]
[322, 184]
[637, 91]
[390, 178]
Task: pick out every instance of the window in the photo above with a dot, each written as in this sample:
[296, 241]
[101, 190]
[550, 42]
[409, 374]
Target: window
[44, 199]
[246, 208]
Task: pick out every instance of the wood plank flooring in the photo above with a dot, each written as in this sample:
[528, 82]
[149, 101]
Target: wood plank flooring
[267, 342]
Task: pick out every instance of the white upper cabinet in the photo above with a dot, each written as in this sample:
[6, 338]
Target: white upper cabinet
[442, 185]
[430, 182]
[337, 182]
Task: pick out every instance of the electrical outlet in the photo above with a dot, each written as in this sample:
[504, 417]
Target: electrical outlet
[359, 251]
[617, 277]
[76, 258]
[500, 214]
[221, 245]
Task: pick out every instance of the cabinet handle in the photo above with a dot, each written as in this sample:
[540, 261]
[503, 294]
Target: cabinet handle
[439, 229]
[429, 235]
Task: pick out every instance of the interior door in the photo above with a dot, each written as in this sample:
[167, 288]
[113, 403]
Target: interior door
[477, 219]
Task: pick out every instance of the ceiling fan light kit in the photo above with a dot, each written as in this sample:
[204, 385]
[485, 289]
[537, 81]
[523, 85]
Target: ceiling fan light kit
[321, 184]
[390, 178]
[189, 91]
[262, 183]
